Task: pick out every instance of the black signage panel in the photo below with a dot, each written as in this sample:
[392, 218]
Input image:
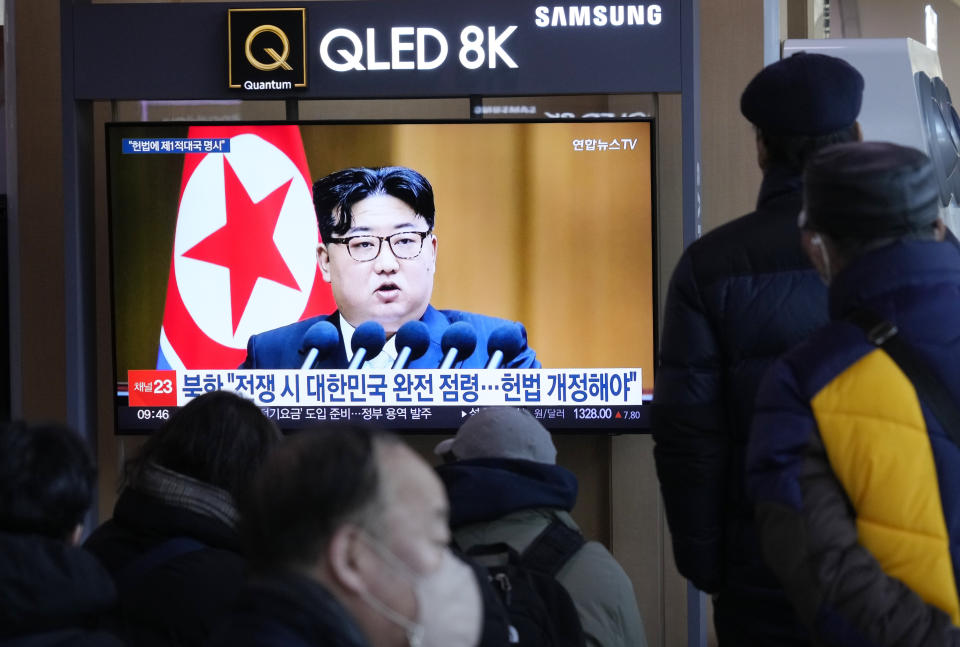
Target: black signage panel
[495, 48]
[373, 49]
[149, 51]
[267, 48]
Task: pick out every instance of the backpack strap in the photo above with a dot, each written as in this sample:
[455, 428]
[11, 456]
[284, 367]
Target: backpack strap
[158, 555]
[551, 549]
[499, 549]
[884, 334]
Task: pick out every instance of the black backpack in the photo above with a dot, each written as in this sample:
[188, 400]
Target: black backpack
[540, 609]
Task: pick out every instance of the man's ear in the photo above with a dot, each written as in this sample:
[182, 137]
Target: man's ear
[347, 559]
[939, 230]
[323, 258]
[433, 244]
[858, 130]
[811, 241]
[761, 151]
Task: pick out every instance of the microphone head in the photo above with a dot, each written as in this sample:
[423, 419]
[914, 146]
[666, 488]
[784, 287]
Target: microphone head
[461, 336]
[323, 336]
[370, 336]
[416, 336]
[508, 339]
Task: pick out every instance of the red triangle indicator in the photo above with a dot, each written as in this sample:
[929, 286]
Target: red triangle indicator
[618, 415]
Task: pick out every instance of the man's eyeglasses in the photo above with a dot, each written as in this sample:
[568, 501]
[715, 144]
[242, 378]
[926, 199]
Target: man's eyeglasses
[403, 244]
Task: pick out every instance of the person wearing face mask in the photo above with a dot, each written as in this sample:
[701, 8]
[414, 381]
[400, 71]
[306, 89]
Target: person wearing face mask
[347, 531]
[854, 455]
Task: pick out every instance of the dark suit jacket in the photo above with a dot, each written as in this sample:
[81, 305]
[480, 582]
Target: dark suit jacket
[281, 347]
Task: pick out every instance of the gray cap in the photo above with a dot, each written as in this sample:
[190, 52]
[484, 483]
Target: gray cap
[870, 190]
[501, 432]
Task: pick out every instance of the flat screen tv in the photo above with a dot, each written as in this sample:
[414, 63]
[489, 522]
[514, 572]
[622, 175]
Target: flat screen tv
[550, 224]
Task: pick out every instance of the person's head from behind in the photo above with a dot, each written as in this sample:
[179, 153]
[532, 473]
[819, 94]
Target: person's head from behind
[800, 105]
[860, 197]
[377, 251]
[46, 481]
[358, 511]
[500, 432]
[218, 438]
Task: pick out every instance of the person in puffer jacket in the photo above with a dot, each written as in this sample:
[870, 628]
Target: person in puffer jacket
[739, 297]
[856, 479]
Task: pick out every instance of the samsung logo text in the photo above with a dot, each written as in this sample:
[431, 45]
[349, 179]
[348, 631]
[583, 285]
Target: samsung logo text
[599, 16]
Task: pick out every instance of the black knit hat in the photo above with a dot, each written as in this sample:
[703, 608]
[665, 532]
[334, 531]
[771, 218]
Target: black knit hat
[805, 94]
[869, 190]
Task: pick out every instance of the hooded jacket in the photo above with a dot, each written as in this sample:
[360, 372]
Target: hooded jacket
[495, 500]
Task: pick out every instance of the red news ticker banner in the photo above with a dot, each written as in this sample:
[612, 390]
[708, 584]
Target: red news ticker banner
[152, 388]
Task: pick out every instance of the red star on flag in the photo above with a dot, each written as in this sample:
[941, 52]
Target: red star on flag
[245, 244]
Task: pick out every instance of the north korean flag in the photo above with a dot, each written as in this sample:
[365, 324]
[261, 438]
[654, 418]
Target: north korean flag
[244, 257]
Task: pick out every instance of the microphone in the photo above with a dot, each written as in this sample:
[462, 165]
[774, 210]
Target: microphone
[321, 338]
[504, 343]
[368, 340]
[457, 343]
[413, 340]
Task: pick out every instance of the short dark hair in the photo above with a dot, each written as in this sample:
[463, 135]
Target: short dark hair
[219, 438]
[318, 480]
[47, 479]
[335, 195]
[793, 151]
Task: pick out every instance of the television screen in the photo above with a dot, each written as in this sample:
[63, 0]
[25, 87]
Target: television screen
[542, 229]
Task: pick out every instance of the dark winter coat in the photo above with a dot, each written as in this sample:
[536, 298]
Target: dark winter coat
[857, 484]
[289, 610]
[173, 600]
[51, 594]
[740, 296]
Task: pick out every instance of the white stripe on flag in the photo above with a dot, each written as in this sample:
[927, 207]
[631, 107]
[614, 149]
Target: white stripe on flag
[171, 355]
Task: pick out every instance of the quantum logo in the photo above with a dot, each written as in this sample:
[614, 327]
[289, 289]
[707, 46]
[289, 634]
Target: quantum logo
[279, 60]
[267, 48]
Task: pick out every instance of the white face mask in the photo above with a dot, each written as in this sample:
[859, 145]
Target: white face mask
[449, 606]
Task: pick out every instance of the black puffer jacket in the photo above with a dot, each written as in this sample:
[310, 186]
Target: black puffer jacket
[181, 598]
[51, 594]
[739, 297]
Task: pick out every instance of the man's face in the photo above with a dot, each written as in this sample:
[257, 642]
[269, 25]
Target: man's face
[388, 290]
[415, 531]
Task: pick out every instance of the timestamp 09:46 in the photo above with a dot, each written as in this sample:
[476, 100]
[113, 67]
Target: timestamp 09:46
[153, 413]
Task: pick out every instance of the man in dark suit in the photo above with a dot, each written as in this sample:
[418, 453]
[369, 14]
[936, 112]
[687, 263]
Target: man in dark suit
[378, 253]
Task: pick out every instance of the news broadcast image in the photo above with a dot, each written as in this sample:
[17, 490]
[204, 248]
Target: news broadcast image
[214, 238]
